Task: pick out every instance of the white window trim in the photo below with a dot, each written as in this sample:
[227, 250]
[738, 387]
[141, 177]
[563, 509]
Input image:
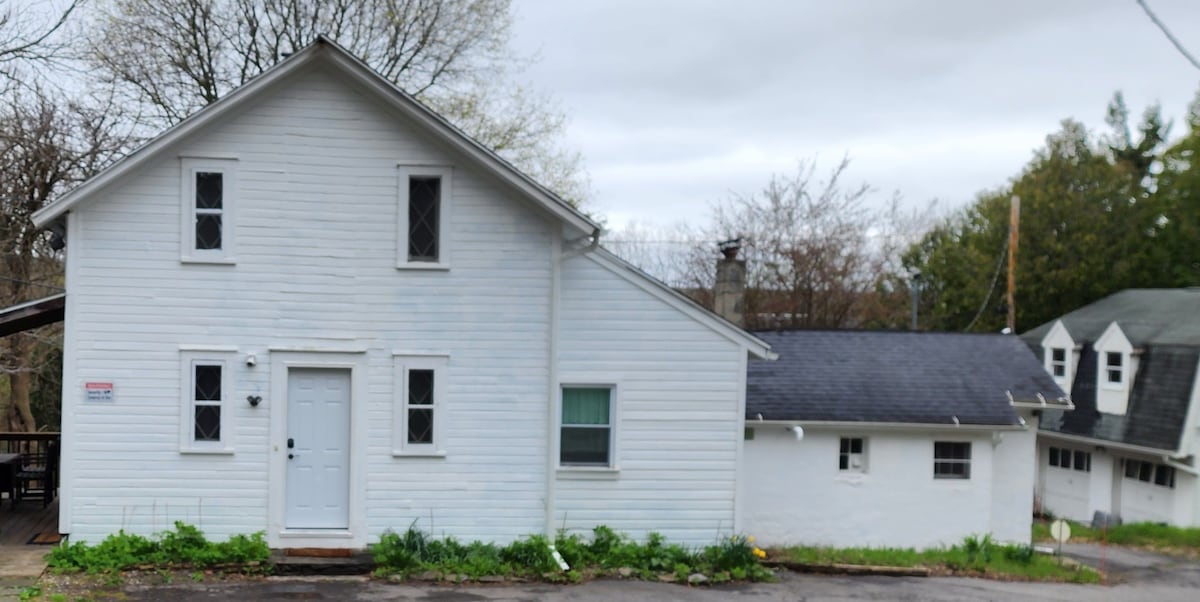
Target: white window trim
[405, 172]
[851, 470]
[614, 417]
[969, 461]
[187, 443]
[1118, 385]
[230, 194]
[402, 363]
[1065, 363]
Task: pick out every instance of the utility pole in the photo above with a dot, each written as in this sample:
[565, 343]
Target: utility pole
[1013, 225]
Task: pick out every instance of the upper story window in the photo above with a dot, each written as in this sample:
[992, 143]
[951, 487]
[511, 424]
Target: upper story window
[951, 460]
[1058, 362]
[1114, 367]
[209, 192]
[419, 411]
[852, 455]
[425, 196]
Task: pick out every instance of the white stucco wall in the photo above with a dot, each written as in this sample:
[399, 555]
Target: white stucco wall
[795, 493]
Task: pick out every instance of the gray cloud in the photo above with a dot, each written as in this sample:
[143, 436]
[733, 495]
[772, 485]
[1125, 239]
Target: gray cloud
[675, 104]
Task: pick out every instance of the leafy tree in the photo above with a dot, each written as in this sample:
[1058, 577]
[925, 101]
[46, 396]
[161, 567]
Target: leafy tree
[1090, 225]
[173, 57]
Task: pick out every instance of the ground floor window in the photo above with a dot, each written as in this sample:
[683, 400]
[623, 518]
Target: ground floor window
[951, 460]
[1160, 474]
[852, 455]
[1069, 458]
[586, 434]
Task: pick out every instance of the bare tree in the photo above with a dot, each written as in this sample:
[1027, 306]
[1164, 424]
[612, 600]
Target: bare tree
[818, 254]
[29, 36]
[176, 56]
[46, 146]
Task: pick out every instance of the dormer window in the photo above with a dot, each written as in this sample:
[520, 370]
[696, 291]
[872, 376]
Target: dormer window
[1114, 367]
[1058, 362]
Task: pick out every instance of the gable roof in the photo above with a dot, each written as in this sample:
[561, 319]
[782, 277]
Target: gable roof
[1164, 326]
[1149, 316]
[896, 377]
[325, 51]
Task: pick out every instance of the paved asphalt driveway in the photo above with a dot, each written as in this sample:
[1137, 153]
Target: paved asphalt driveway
[1142, 576]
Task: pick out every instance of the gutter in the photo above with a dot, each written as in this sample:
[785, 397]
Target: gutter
[1149, 451]
[908, 426]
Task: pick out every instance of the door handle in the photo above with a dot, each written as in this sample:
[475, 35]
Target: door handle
[291, 443]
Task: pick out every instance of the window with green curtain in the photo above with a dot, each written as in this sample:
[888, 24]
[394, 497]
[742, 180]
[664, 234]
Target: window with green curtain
[586, 436]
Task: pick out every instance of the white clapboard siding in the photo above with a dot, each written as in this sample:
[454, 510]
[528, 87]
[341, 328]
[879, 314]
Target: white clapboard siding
[679, 423]
[316, 236]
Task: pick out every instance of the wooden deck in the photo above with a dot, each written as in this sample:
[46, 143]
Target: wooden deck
[18, 527]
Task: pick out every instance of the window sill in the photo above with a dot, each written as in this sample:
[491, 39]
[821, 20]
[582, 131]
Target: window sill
[404, 453]
[208, 260]
[589, 472]
[419, 265]
[201, 451]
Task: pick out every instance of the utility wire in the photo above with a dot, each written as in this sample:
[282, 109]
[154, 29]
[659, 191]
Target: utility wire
[995, 279]
[1178, 46]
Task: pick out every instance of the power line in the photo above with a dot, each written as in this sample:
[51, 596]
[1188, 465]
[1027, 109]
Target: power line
[992, 289]
[1178, 46]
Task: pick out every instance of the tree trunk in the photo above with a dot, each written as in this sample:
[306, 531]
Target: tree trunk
[20, 414]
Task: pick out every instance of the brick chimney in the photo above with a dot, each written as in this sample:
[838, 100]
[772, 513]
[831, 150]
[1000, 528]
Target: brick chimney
[729, 293]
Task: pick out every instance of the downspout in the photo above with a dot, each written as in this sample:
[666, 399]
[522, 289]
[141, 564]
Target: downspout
[557, 256]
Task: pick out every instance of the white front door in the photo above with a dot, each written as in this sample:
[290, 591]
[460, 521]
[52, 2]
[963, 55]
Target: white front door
[318, 465]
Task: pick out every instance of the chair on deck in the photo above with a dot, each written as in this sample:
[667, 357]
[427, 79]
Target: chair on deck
[38, 474]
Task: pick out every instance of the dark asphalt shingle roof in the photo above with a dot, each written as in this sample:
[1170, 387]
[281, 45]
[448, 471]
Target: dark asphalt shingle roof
[908, 377]
[1164, 324]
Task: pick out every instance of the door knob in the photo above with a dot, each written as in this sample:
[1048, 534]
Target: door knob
[290, 456]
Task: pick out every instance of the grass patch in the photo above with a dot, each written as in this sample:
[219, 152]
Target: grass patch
[1146, 535]
[605, 552]
[185, 546]
[975, 556]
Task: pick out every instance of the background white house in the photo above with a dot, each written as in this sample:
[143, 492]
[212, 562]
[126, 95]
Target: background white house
[910, 439]
[1130, 363]
[316, 309]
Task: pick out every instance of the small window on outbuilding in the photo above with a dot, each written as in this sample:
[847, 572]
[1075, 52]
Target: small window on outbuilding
[209, 194]
[852, 455]
[586, 433]
[951, 460]
[423, 212]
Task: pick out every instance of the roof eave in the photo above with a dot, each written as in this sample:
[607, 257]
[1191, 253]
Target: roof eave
[866, 424]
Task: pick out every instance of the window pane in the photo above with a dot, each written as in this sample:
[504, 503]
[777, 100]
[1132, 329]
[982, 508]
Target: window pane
[1114, 360]
[1131, 469]
[585, 406]
[1080, 460]
[208, 423]
[845, 446]
[584, 445]
[1054, 456]
[208, 231]
[424, 195]
[856, 446]
[1060, 370]
[951, 450]
[1144, 471]
[420, 425]
[843, 462]
[952, 470]
[420, 387]
[1065, 458]
[1059, 354]
[208, 383]
[209, 190]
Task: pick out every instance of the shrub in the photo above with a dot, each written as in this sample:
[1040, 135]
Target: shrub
[184, 546]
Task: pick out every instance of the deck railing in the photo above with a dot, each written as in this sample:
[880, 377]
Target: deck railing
[28, 443]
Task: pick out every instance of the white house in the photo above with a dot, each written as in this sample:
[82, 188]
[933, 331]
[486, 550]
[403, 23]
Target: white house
[1131, 363]
[315, 308]
[892, 439]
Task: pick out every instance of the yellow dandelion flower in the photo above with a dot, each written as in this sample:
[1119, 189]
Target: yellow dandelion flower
[750, 539]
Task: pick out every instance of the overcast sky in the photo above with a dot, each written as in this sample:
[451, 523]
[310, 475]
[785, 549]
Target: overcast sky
[676, 104]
